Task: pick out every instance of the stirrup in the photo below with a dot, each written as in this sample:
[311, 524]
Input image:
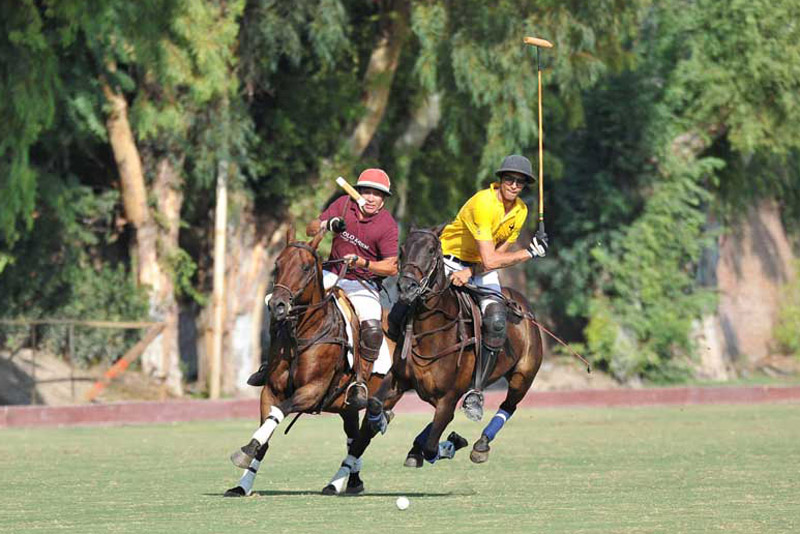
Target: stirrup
[473, 405]
[358, 385]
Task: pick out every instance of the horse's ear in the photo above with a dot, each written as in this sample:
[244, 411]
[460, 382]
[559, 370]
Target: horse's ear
[290, 233]
[439, 229]
[317, 239]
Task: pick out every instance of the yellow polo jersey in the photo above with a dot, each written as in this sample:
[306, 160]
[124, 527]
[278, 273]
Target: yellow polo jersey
[482, 218]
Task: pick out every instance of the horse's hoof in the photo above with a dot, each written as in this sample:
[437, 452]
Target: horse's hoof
[246, 454]
[355, 485]
[238, 491]
[413, 460]
[330, 489]
[458, 441]
[480, 451]
[473, 405]
[478, 457]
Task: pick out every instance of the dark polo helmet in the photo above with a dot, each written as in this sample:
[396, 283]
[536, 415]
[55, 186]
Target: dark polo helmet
[515, 163]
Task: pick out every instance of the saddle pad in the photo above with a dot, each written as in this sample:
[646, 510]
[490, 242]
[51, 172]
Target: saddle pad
[384, 361]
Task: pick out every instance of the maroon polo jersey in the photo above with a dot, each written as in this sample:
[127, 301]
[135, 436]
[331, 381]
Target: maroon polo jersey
[373, 238]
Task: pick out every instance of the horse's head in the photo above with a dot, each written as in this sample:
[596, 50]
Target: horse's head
[298, 273]
[420, 263]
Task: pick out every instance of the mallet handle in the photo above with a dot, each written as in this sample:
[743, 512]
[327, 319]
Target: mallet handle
[541, 154]
[350, 190]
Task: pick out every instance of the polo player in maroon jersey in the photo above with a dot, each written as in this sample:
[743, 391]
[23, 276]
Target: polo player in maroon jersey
[367, 239]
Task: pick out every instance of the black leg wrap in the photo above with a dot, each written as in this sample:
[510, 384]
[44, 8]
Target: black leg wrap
[430, 454]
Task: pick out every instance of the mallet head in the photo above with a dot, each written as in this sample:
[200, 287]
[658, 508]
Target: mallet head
[535, 41]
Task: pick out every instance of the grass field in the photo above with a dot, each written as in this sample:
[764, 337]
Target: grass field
[692, 469]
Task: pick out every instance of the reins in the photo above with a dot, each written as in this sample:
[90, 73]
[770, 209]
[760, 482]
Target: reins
[517, 310]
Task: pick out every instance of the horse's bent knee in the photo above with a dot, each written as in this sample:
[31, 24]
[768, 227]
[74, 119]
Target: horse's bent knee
[374, 406]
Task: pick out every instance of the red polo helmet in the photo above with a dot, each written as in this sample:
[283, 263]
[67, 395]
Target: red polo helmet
[376, 179]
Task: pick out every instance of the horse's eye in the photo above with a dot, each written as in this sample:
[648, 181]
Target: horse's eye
[306, 268]
[431, 251]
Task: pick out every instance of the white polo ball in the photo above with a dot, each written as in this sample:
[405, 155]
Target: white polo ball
[402, 503]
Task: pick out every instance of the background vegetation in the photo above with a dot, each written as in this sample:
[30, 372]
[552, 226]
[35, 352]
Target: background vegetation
[659, 116]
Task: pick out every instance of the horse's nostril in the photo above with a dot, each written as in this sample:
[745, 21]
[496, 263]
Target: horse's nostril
[279, 309]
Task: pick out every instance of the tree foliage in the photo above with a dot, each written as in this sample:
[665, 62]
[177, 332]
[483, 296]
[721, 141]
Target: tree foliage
[657, 116]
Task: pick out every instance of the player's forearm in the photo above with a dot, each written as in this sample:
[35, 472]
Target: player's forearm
[501, 260]
[387, 267]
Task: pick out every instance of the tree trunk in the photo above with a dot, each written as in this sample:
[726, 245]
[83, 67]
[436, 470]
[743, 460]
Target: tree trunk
[424, 119]
[218, 291]
[379, 76]
[155, 238]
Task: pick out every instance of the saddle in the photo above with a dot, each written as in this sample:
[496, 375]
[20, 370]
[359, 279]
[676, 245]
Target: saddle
[468, 324]
[350, 317]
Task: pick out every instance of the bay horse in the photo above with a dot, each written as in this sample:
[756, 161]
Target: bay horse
[437, 356]
[306, 371]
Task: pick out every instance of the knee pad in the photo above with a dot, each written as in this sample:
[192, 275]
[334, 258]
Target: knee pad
[371, 339]
[494, 325]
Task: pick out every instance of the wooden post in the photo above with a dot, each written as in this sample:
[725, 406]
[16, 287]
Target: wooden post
[218, 299]
[71, 348]
[33, 364]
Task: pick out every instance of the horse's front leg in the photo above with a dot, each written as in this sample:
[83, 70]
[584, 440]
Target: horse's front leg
[359, 439]
[432, 450]
[377, 418]
[304, 399]
[251, 455]
[351, 466]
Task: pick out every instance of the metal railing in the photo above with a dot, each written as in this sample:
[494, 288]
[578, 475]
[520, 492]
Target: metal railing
[116, 369]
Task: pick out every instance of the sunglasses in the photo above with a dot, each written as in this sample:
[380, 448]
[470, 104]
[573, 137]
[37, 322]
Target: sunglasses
[522, 182]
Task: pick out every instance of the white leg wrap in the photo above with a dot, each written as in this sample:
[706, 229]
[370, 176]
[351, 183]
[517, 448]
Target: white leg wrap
[340, 478]
[264, 432]
[249, 477]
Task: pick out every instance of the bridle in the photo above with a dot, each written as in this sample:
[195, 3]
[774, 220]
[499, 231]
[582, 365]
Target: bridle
[298, 309]
[424, 288]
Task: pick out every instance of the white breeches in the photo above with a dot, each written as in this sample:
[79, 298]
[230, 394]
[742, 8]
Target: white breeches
[363, 295]
[489, 280]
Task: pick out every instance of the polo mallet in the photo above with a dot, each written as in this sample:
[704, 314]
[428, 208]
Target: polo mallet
[539, 44]
[350, 190]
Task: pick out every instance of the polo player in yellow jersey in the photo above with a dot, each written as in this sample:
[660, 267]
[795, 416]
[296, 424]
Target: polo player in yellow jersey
[476, 244]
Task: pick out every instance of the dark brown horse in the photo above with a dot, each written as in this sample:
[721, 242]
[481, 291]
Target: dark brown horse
[442, 355]
[306, 371]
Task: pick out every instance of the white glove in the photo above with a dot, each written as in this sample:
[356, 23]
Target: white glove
[537, 248]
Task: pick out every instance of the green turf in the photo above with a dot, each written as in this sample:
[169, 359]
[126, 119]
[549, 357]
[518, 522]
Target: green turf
[693, 469]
